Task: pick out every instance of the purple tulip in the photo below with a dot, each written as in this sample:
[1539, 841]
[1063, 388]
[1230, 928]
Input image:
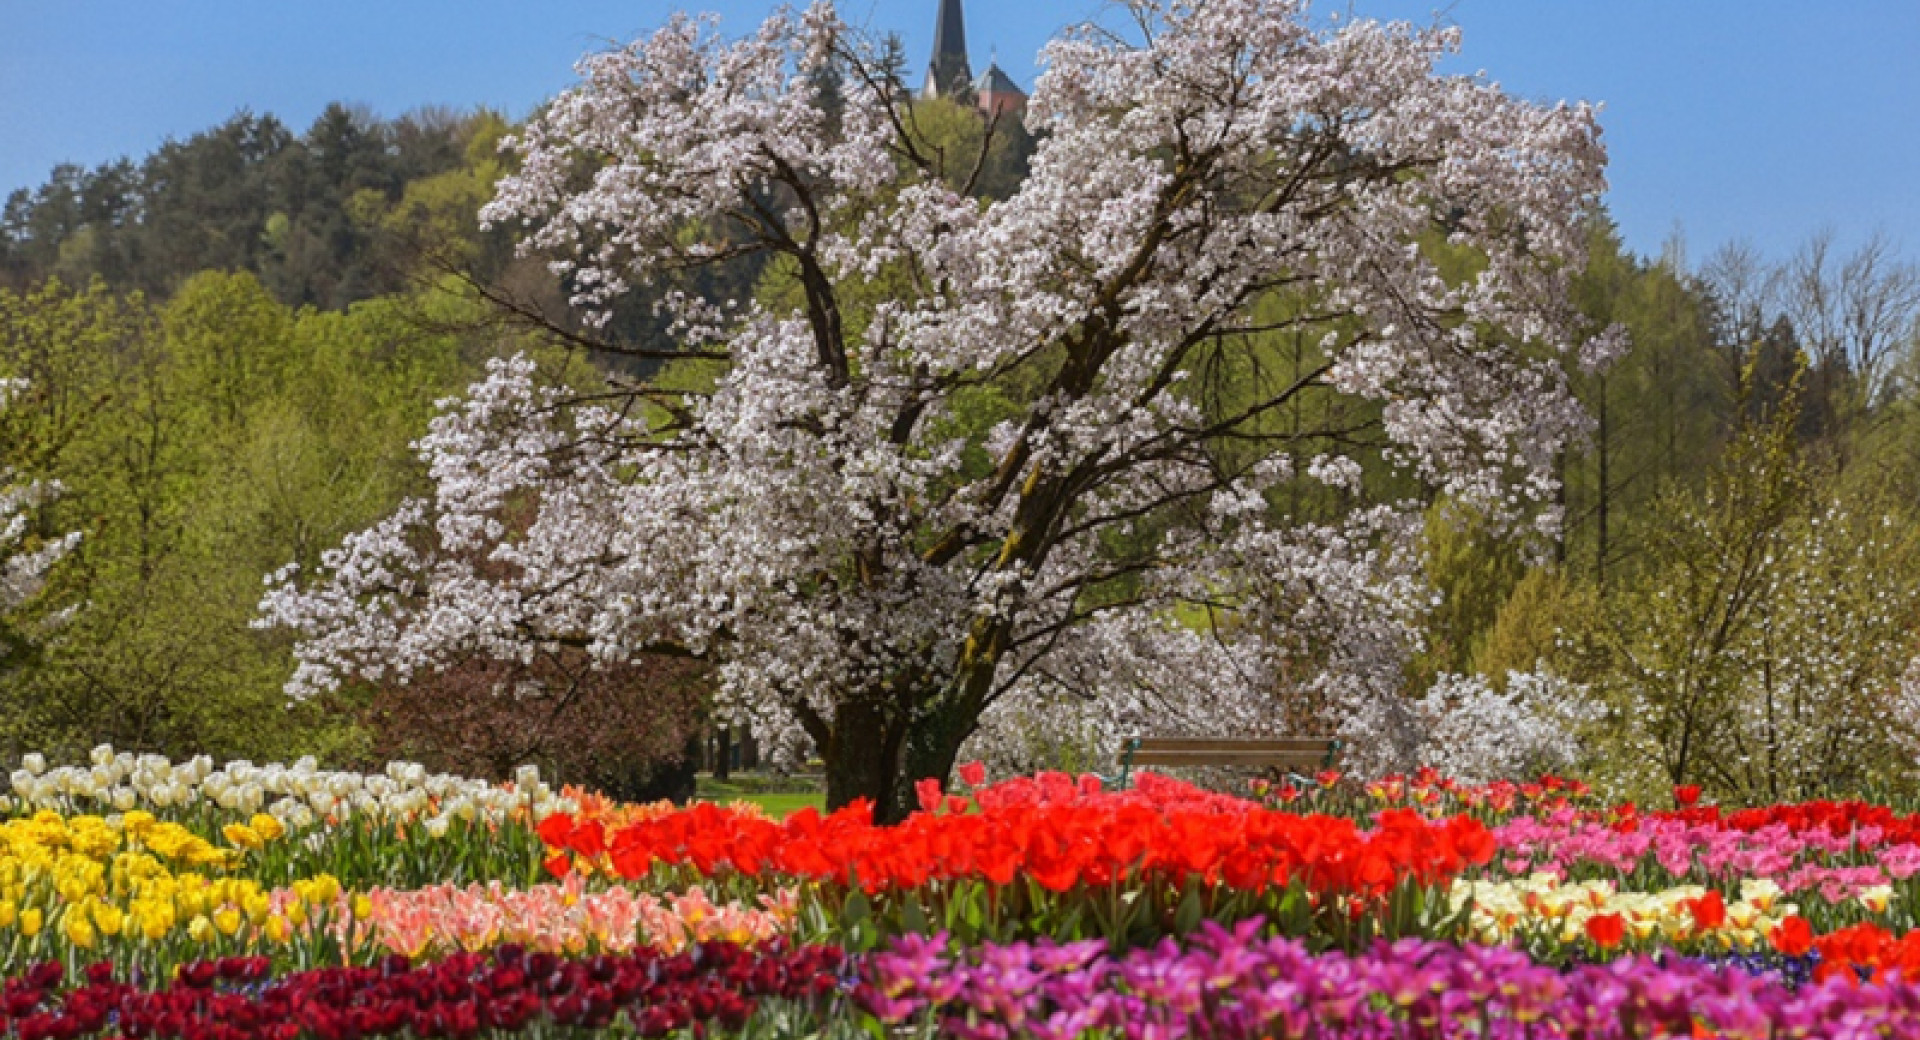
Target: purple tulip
[1234, 985]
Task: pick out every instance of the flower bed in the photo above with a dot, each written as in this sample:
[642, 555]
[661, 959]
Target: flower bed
[1233, 984]
[1054, 859]
[1044, 907]
[508, 993]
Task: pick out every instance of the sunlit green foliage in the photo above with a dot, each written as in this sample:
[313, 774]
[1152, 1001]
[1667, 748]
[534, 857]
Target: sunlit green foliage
[203, 444]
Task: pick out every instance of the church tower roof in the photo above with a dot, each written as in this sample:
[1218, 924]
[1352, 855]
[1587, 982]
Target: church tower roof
[996, 81]
[949, 67]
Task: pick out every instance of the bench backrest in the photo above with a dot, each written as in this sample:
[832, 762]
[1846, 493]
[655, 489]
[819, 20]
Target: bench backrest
[1277, 753]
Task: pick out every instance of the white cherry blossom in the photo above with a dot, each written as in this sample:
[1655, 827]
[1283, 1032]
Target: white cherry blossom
[23, 571]
[858, 563]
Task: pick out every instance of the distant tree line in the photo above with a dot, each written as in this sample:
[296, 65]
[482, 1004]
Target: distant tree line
[304, 213]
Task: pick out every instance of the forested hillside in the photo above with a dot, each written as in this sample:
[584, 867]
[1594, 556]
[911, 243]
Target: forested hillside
[314, 216]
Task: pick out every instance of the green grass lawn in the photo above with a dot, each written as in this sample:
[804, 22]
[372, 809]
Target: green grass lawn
[777, 804]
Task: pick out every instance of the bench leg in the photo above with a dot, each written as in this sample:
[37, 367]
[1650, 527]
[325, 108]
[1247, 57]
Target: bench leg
[1126, 764]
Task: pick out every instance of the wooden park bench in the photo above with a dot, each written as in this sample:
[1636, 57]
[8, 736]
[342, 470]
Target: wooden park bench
[1290, 754]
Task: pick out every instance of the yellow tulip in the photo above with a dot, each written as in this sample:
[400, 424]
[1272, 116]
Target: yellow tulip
[326, 889]
[277, 928]
[362, 906]
[30, 921]
[242, 835]
[227, 921]
[8, 913]
[79, 932]
[108, 918]
[267, 827]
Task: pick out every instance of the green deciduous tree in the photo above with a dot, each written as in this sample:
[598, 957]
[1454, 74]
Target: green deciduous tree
[201, 445]
[1758, 647]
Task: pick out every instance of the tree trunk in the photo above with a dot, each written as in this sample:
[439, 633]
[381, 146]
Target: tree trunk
[876, 755]
[723, 753]
[862, 756]
[881, 746]
[932, 746]
[1603, 543]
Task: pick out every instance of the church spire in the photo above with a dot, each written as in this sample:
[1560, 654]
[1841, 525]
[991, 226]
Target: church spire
[950, 68]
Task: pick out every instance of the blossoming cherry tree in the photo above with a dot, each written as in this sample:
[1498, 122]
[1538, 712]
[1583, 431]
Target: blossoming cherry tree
[866, 562]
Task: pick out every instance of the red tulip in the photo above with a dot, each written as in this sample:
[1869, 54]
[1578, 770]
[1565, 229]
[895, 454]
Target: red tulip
[1709, 911]
[929, 793]
[1793, 936]
[1606, 930]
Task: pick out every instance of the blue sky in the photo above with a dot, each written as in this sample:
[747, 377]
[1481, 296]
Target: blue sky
[1763, 119]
